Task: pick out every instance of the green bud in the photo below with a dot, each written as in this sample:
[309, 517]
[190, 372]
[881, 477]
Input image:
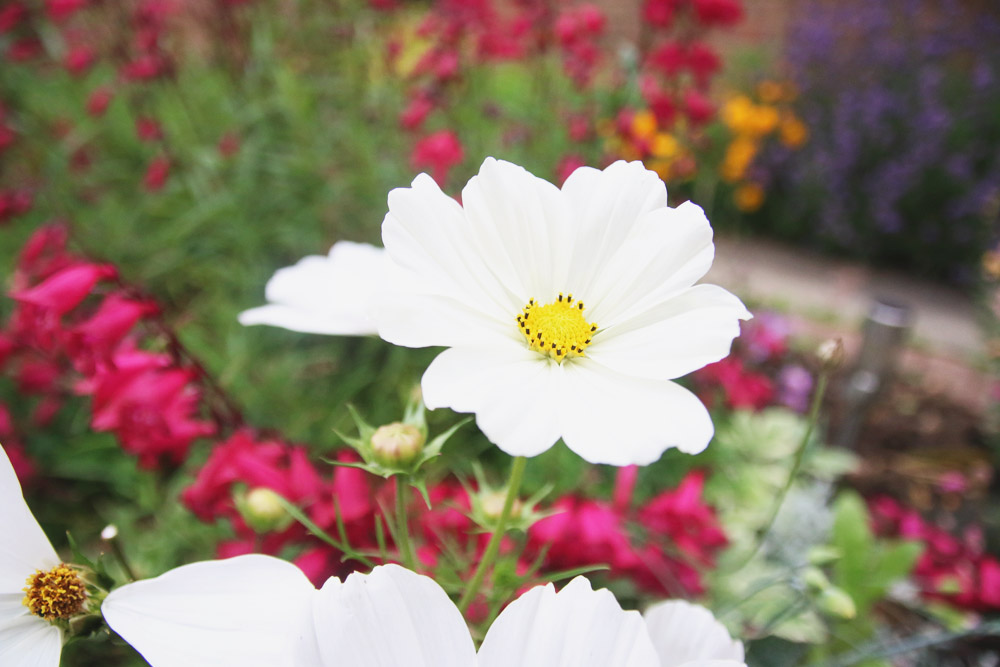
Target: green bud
[831, 353]
[837, 603]
[823, 555]
[814, 579]
[397, 443]
[261, 508]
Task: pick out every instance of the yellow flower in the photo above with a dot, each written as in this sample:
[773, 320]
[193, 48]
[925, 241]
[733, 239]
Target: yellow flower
[643, 125]
[737, 112]
[748, 197]
[763, 120]
[793, 131]
[770, 92]
[665, 146]
[739, 155]
[661, 167]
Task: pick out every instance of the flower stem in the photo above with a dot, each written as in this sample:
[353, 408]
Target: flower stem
[817, 400]
[513, 484]
[403, 524]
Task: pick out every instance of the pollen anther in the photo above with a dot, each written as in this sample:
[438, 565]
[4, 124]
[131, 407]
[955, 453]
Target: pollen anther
[561, 332]
[58, 593]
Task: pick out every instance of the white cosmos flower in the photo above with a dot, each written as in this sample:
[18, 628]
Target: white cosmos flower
[27, 639]
[324, 295]
[207, 614]
[567, 313]
[687, 635]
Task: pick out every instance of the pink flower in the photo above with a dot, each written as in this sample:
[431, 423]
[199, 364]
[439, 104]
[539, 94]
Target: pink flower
[63, 291]
[99, 100]
[703, 63]
[697, 107]
[668, 58]
[229, 144]
[78, 60]
[156, 174]
[93, 341]
[10, 15]
[14, 203]
[567, 165]
[660, 13]
[718, 12]
[24, 49]
[60, 10]
[148, 129]
[438, 152]
[152, 412]
[416, 111]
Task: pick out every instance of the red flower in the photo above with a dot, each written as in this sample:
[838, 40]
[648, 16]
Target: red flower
[98, 101]
[567, 166]
[718, 12]
[156, 174]
[659, 12]
[584, 532]
[60, 10]
[438, 152]
[24, 49]
[64, 290]
[147, 129]
[14, 203]
[11, 14]
[703, 63]
[229, 144]
[416, 111]
[78, 60]
[145, 67]
[697, 107]
[742, 388]
[93, 341]
[668, 58]
[152, 412]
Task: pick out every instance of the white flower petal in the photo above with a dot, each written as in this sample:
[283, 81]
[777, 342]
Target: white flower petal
[24, 547]
[668, 250]
[324, 295]
[431, 243]
[511, 390]
[606, 206]
[522, 230]
[688, 634]
[694, 328]
[621, 420]
[576, 627]
[390, 618]
[28, 641]
[245, 610]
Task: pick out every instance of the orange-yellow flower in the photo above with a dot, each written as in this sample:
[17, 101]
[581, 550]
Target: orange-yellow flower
[793, 131]
[748, 197]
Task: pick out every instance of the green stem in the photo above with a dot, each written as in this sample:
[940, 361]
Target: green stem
[403, 524]
[516, 472]
[800, 453]
[116, 549]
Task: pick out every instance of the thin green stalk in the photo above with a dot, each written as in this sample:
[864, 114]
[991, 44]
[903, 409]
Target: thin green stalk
[516, 472]
[403, 524]
[800, 453]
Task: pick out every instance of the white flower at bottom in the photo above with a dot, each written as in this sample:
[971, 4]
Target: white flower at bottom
[234, 612]
[687, 635]
[324, 295]
[37, 591]
[568, 312]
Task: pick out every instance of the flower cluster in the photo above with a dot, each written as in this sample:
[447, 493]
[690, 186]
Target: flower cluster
[662, 547]
[896, 169]
[955, 570]
[76, 330]
[751, 124]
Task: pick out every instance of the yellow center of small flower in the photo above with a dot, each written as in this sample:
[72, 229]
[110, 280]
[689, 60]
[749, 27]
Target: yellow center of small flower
[56, 594]
[557, 329]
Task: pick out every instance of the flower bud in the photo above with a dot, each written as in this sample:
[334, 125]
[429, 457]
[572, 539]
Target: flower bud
[261, 508]
[814, 579]
[831, 353]
[837, 603]
[492, 504]
[397, 443]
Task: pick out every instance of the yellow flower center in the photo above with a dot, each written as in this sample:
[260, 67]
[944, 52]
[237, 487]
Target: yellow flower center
[557, 329]
[56, 594]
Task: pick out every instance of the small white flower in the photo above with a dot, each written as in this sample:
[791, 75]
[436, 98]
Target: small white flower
[567, 312]
[206, 613]
[37, 591]
[324, 295]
